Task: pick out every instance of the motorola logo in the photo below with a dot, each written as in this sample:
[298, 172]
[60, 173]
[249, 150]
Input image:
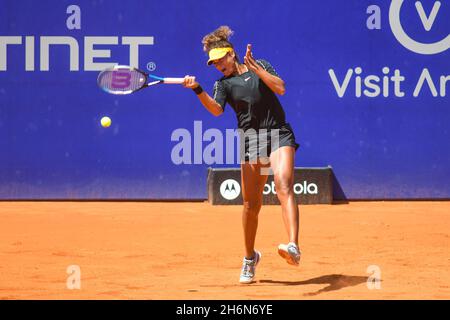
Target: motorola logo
[230, 189]
[304, 188]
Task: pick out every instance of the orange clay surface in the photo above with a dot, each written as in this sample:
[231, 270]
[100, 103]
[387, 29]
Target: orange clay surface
[148, 250]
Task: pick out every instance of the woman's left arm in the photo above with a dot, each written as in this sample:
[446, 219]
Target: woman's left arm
[276, 84]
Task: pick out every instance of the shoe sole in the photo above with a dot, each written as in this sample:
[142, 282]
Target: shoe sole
[246, 282]
[252, 280]
[289, 259]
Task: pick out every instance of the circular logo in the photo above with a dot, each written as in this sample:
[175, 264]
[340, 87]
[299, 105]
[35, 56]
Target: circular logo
[230, 189]
[151, 66]
[407, 41]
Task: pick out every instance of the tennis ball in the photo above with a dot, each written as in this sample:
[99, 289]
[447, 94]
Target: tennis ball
[106, 122]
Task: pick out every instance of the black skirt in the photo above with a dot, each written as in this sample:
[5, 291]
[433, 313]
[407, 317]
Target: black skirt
[261, 143]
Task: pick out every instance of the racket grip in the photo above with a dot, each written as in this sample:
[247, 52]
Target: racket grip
[173, 80]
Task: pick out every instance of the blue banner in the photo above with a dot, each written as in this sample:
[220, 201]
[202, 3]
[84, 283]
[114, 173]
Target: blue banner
[367, 92]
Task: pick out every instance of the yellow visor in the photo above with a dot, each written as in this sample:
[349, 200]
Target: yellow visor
[217, 53]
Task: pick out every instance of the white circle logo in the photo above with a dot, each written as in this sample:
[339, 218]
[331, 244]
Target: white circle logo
[408, 42]
[230, 189]
[151, 66]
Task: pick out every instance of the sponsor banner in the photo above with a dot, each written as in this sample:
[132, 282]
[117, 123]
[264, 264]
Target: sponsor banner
[367, 92]
[311, 186]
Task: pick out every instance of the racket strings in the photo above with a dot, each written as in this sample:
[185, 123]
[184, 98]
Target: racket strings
[121, 81]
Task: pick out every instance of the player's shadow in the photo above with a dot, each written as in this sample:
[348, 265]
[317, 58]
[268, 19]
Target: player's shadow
[334, 281]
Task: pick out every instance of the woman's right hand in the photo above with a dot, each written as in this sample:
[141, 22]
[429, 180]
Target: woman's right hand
[189, 82]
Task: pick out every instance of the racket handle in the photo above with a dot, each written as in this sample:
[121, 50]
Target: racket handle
[173, 80]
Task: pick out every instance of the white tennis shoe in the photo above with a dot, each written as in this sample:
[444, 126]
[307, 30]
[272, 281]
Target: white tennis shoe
[290, 252]
[249, 268]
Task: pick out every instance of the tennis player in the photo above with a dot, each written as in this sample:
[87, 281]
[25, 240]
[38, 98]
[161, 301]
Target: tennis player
[251, 88]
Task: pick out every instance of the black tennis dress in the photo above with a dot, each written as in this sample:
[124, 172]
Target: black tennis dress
[261, 118]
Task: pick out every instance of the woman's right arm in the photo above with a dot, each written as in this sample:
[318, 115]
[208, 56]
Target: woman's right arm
[207, 101]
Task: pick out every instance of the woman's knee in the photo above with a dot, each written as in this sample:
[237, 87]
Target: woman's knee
[283, 185]
[252, 206]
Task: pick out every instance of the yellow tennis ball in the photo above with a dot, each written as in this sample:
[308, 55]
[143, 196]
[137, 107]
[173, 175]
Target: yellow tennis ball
[106, 122]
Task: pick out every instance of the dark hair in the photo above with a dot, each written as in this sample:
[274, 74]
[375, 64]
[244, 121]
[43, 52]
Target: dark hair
[219, 38]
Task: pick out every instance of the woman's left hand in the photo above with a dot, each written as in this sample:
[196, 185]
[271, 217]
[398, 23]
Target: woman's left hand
[250, 61]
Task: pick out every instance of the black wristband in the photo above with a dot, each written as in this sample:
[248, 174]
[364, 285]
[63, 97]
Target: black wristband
[198, 90]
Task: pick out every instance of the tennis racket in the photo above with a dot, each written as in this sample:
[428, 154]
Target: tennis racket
[126, 80]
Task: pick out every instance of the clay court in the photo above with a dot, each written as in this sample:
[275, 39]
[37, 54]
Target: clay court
[149, 250]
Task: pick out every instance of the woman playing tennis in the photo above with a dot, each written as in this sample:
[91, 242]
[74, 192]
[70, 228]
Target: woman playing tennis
[251, 89]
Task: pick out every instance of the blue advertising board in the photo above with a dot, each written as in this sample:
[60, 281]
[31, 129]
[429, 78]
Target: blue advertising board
[368, 87]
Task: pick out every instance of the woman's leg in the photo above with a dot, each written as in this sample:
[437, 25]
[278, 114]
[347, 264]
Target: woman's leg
[282, 163]
[252, 187]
